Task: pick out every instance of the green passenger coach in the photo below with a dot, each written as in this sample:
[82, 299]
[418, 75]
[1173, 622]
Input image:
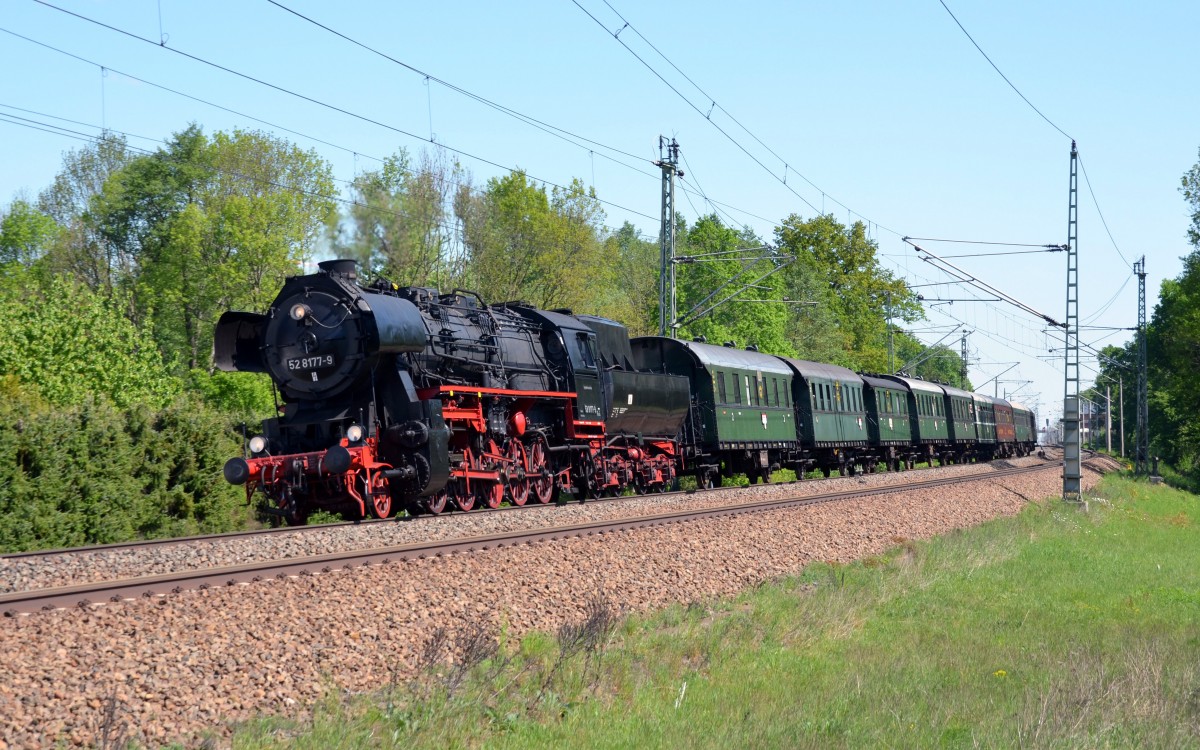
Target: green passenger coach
[742, 418]
[831, 416]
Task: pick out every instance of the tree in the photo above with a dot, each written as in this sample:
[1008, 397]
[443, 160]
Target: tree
[938, 363]
[544, 248]
[70, 343]
[401, 224]
[25, 234]
[850, 279]
[1173, 350]
[1190, 187]
[635, 266]
[725, 261]
[80, 249]
[213, 224]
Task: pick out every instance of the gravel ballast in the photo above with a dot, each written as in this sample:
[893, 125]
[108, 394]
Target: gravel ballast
[182, 664]
[29, 573]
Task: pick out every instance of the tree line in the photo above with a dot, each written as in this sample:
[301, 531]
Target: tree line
[115, 423]
[1173, 358]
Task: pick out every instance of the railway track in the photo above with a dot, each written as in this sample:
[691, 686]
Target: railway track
[290, 530]
[146, 587]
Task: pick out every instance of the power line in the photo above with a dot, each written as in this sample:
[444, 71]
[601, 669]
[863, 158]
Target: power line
[997, 69]
[1095, 202]
[326, 105]
[707, 116]
[984, 242]
[77, 135]
[554, 130]
[347, 149]
[1103, 221]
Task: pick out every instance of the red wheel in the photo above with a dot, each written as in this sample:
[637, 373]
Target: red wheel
[436, 503]
[490, 494]
[379, 497]
[541, 482]
[518, 483]
[464, 501]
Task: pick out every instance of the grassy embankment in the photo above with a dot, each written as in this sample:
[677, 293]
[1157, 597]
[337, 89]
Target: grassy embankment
[1052, 629]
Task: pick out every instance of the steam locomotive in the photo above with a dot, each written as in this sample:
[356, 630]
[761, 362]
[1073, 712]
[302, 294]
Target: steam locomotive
[407, 398]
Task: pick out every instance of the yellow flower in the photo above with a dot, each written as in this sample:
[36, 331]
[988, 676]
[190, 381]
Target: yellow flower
[1000, 673]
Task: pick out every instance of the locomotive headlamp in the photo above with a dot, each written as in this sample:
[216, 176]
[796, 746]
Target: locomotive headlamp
[299, 311]
[354, 433]
[258, 444]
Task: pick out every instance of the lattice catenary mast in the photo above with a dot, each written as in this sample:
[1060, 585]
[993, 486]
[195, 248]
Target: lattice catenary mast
[1072, 465]
[668, 162]
[1142, 458]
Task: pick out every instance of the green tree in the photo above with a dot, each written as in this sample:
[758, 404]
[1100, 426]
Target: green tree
[724, 261]
[70, 343]
[80, 248]
[1190, 187]
[213, 224]
[93, 472]
[543, 248]
[635, 264]
[1173, 349]
[402, 225]
[850, 280]
[25, 234]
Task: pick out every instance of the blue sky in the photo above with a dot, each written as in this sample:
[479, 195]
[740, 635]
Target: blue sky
[886, 106]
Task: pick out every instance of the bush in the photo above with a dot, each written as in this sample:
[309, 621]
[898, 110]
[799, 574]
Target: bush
[246, 396]
[70, 342]
[97, 473]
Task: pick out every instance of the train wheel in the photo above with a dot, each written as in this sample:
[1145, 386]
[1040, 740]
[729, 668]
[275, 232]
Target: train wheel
[639, 481]
[295, 517]
[490, 494]
[380, 496]
[464, 500]
[541, 482]
[518, 486]
[436, 503]
[705, 480]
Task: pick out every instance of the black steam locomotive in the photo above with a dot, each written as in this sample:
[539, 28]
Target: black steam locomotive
[407, 398]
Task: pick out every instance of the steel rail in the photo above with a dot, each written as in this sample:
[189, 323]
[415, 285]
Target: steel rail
[223, 536]
[146, 587]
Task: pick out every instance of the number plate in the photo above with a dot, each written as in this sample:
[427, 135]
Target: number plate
[311, 363]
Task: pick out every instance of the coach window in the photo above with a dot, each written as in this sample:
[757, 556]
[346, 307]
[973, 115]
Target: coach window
[721, 387]
[737, 388]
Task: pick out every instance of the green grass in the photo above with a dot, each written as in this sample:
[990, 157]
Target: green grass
[1057, 628]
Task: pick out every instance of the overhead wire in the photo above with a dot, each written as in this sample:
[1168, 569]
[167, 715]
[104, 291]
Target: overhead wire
[995, 67]
[541, 125]
[1013, 86]
[348, 149]
[325, 105]
[721, 130]
[78, 135]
